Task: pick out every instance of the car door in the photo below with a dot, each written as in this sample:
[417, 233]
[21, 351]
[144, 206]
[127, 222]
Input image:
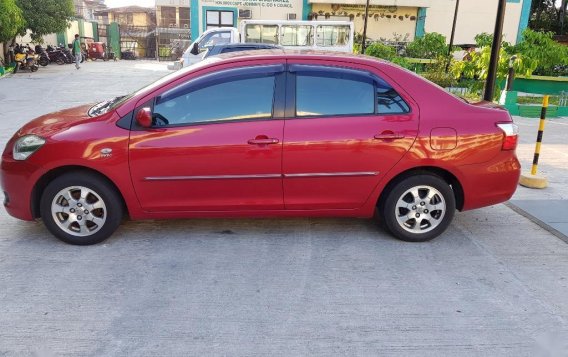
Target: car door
[346, 127]
[216, 144]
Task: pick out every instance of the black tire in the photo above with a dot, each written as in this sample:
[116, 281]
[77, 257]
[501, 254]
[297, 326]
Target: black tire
[43, 61]
[60, 61]
[34, 67]
[111, 213]
[433, 221]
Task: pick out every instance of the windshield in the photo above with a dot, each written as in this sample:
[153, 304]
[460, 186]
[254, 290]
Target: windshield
[105, 106]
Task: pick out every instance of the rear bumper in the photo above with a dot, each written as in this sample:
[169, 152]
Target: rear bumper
[18, 179]
[491, 182]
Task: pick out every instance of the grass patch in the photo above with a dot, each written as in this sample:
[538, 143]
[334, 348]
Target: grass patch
[552, 100]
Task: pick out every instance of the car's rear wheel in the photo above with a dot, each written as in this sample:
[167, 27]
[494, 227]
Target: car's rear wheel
[81, 209]
[418, 208]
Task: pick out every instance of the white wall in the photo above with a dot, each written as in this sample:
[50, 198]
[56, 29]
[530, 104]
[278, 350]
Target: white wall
[474, 17]
[383, 23]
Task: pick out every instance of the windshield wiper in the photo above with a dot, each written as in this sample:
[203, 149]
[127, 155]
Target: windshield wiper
[103, 107]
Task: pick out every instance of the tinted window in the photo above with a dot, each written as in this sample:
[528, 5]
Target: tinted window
[389, 101]
[244, 48]
[321, 94]
[243, 98]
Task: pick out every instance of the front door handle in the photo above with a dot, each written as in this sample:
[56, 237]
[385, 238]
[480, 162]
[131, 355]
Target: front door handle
[389, 135]
[263, 141]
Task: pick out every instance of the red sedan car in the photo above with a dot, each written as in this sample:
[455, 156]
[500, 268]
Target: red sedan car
[265, 134]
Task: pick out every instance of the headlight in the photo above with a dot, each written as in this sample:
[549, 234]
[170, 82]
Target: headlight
[27, 145]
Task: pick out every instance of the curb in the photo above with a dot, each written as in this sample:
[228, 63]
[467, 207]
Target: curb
[540, 223]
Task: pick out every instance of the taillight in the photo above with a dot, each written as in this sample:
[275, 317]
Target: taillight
[510, 135]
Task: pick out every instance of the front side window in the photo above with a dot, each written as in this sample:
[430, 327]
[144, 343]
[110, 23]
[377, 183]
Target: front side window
[240, 98]
[216, 38]
[298, 35]
[323, 94]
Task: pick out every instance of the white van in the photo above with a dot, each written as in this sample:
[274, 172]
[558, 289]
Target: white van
[321, 35]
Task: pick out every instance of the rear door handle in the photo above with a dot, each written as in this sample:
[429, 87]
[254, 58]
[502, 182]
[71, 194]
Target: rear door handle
[263, 141]
[389, 136]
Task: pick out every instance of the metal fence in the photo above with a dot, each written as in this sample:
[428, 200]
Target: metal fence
[172, 42]
[137, 42]
[563, 100]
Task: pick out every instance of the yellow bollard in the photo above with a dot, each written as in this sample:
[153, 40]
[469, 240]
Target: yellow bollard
[533, 180]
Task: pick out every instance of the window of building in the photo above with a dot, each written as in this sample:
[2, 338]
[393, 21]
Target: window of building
[218, 18]
[184, 17]
[168, 16]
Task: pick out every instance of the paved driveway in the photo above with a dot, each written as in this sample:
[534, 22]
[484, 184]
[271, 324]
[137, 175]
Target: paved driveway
[495, 284]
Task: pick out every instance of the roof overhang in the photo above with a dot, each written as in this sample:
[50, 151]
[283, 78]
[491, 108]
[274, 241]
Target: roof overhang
[401, 3]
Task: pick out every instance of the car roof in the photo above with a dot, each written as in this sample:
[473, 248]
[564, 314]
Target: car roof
[284, 53]
[247, 44]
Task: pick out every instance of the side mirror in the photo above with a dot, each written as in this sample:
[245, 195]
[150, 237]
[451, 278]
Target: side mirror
[144, 117]
[195, 49]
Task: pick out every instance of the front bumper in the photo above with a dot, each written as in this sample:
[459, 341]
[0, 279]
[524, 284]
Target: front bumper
[18, 179]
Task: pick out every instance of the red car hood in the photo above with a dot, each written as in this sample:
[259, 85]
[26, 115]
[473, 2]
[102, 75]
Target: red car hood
[52, 123]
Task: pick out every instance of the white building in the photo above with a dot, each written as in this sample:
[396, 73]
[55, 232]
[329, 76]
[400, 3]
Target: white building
[388, 19]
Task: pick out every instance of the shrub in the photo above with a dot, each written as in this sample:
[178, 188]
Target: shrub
[432, 45]
[380, 50]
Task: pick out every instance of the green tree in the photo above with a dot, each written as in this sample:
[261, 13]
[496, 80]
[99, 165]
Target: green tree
[547, 16]
[11, 20]
[540, 52]
[432, 45]
[45, 16]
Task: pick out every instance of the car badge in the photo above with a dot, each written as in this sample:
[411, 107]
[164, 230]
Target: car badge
[106, 152]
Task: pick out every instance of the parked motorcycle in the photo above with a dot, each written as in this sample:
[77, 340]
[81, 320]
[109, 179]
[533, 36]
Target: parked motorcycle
[55, 55]
[68, 56]
[25, 58]
[43, 56]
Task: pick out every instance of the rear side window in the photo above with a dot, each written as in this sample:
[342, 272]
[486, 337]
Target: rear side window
[388, 100]
[329, 91]
[329, 94]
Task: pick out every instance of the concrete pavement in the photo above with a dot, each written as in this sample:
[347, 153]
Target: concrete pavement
[495, 284]
[547, 207]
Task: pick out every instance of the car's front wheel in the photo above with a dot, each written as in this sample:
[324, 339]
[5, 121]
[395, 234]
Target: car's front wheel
[81, 208]
[418, 208]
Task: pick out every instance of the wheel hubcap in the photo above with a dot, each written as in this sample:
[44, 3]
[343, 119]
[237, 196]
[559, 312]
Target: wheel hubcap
[78, 211]
[420, 209]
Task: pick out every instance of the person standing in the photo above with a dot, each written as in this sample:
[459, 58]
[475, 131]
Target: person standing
[77, 51]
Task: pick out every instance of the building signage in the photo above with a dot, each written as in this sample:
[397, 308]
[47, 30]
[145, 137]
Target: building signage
[249, 3]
